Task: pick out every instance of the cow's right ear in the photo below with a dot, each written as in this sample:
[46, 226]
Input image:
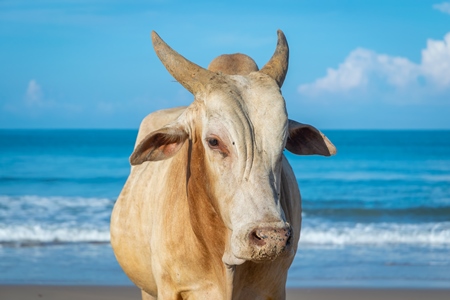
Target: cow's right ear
[158, 145]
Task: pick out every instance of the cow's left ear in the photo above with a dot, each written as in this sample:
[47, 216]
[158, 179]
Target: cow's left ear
[158, 145]
[305, 139]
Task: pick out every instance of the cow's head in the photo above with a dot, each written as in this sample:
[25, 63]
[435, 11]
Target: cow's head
[239, 123]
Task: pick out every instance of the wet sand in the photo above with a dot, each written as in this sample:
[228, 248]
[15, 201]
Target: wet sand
[29, 292]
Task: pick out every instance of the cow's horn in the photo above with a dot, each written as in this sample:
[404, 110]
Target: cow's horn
[190, 75]
[278, 65]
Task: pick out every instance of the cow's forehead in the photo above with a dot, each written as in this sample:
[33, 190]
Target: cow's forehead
[250, 107]
[264, 102]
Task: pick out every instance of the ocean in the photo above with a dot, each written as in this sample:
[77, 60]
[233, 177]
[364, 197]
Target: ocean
[375, 215]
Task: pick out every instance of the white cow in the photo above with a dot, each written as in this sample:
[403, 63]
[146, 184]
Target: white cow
[211, 209]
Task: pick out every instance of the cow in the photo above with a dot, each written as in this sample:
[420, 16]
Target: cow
[211, 208]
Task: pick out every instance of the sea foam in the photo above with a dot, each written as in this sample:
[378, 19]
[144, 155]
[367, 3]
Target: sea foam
[432, 234]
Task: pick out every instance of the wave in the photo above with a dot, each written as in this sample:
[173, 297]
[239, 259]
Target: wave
[23, 235]
[429, 234]
[54, 201]
[387, 176]
[439, 213]
[302, 177]
[434, 235]
[28, 180]
[32, 219]
[43, 217]
[32, 207]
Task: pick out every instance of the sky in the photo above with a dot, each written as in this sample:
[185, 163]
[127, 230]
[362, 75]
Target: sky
[353, 64]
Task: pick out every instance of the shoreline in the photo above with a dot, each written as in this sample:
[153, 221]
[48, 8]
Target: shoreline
[56, 292]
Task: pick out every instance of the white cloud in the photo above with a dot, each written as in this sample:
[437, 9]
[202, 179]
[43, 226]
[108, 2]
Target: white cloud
[436, 61]
[34, 95]
[364, 68]
[443, 7]
[359, 68]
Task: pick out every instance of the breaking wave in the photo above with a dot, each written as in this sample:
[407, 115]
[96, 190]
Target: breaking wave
[31, 220]
[38, 220]
[333, 235]
[26, 235]
[431, 234]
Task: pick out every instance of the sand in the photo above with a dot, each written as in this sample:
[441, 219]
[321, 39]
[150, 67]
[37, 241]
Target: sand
[29, 292]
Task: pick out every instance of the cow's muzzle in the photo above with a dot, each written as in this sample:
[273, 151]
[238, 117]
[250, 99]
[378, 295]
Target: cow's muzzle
[278, 236]
[262, 242]
[269, 242]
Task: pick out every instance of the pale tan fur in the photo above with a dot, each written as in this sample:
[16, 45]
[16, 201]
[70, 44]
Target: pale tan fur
[181, 226]
[173, 248]
[233, 64]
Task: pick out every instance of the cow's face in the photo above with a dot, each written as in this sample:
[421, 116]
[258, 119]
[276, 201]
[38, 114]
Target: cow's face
[244, 127]
[241, 124]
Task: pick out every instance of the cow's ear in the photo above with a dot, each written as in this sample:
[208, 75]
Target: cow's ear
[304, 139]
[158, 145]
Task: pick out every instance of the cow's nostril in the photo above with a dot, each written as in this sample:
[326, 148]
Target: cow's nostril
[257, 237]
[260, 234]
[289, 237]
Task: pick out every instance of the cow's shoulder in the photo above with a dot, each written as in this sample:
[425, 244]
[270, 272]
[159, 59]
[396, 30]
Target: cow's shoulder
[158, 119]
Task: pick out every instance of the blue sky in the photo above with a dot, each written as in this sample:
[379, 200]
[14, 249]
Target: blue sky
[353, 64]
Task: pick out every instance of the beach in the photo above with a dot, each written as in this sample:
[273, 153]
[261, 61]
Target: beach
[29, 292]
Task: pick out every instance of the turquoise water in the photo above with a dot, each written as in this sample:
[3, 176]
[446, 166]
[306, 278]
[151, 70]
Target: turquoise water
[376, 214]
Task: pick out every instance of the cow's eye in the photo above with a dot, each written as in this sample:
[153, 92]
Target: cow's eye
[217, 145]
[213, 143]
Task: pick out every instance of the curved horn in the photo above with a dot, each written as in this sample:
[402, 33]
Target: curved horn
[191, 76]
[278, 65]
